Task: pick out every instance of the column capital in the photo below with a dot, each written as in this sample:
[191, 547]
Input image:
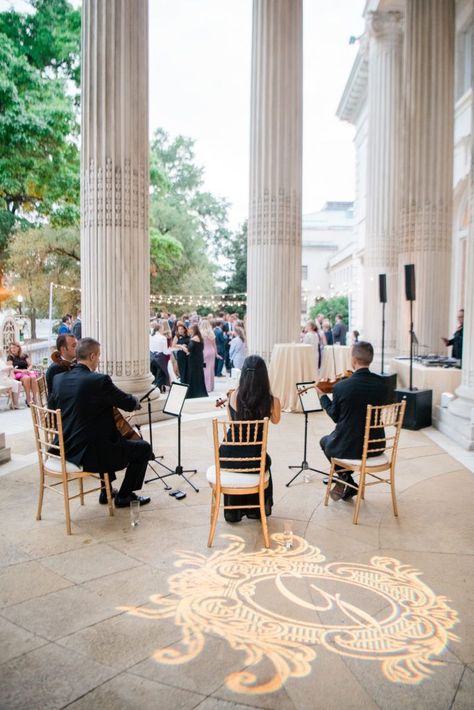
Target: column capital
[385, 25]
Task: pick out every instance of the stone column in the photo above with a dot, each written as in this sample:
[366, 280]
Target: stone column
[457, 421]
[115, 271]
[426, 187]
[385, 34]
[274, 235]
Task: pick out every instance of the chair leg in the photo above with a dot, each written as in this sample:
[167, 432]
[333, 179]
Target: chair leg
[392, 491]
[108, 493]
[360, 494]
[263, 518]
[66, 506]
[215, 502]
[40, 497]
[328, 487]
[81, 491]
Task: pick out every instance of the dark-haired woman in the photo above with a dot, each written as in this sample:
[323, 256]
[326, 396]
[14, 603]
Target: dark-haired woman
[180, 349]
[195, 350]
[251, 400]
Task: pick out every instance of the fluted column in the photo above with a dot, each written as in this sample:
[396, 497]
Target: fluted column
[383, 173]
[114, 187]
[274, 236]
[426, 188]
[457, 421]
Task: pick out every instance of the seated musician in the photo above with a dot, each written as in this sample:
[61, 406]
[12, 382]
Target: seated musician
[63, 357]
[86, 400]
[348, 409]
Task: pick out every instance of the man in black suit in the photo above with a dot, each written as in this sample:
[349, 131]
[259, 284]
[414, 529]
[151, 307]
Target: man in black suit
[66, 344]
[348, 409]
[91, 438]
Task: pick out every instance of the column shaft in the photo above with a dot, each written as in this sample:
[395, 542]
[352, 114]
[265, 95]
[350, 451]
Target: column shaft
[274, 246]
[426, 188]
[114, 187]
[383, 173]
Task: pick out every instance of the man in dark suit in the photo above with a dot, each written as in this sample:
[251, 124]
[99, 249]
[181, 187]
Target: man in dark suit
[339, 331]
[91, 438]
[66, 344]
[348, 409]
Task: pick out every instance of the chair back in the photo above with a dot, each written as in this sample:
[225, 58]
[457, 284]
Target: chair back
[382, 429]
[240, 446]
[43, 391]
[48, 431]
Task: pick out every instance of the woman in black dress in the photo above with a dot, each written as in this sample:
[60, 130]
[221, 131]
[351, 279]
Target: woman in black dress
[251, 400]
[195, 350]
[179, 347]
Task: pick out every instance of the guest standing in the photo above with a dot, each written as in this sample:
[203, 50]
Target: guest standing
[195, 349]
[210, 353]
[221, 342]
[179, 346]
[339, 331]
[327, 332]
[238, 348]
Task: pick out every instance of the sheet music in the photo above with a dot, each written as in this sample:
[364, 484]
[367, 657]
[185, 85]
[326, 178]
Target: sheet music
[175, 400]
[309, 400]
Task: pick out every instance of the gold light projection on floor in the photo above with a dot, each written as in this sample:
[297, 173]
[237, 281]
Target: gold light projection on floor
[280, 604]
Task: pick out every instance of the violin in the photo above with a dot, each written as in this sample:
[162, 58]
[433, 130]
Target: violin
[222, 401]
[124, 428]
[327, 386]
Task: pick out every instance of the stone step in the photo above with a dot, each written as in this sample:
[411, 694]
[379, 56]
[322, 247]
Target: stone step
[5, 455]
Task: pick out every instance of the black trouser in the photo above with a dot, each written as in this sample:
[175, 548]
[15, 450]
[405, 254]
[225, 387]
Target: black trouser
[135, 455]
[324, 444]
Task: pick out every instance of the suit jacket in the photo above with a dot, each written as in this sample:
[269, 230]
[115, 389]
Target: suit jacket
[339, 333]
[349, 408]
[86, 399]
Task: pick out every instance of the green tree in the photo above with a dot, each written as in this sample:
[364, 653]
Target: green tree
[39, 256]
[39, 155]
[188, 225]
[330, 307]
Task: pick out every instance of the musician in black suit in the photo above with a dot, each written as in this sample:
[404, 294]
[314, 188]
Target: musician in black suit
[348, 409]
[91, 437]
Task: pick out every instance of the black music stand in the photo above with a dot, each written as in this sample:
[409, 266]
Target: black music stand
[174, 407]
[155, 459]
[309, 403]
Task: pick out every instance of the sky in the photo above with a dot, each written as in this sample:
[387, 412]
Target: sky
[200, 52]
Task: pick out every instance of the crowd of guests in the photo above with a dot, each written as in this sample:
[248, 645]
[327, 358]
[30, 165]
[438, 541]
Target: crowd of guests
[195, 350]
[319, 333]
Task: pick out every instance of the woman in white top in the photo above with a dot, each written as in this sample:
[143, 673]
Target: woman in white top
[7, 380]
[313, 337]
[238, 348]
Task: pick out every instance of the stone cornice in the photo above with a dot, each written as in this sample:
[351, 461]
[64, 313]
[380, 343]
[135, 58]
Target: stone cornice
[355, 90]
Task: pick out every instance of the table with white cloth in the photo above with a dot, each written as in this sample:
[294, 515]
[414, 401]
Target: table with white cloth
[336, 359]
[438, 379]
[290, 363]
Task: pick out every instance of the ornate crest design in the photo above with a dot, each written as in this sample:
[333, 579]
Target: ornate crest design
[222, 595]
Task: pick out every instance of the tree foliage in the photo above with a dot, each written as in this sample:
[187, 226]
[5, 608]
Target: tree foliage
[330, 307]
[39, 156]
[188, 225]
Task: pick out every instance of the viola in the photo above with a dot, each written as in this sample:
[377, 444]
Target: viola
[327, 386]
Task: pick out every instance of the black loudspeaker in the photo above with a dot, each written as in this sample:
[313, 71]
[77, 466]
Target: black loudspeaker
[410, 289]
[383, 288]
[418, 410]
[389, 382]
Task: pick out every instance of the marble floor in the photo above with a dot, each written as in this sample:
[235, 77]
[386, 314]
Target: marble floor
[377, 615]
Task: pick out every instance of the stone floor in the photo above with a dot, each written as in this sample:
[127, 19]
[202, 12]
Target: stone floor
[376, 615]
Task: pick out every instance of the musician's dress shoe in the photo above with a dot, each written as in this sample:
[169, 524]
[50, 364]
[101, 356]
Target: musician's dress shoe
[350, 492]
[125, 502]
[103, 496]
[337, 491]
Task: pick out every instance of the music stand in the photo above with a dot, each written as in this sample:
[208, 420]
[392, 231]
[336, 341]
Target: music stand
[309, 401]
[174, 407]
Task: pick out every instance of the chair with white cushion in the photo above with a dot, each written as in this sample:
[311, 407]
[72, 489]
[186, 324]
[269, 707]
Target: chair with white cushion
[48, 430]
[390, 418]
[237, 474]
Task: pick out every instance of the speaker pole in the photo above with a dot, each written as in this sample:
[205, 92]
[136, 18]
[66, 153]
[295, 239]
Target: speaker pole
[383, 335]
[411, 345]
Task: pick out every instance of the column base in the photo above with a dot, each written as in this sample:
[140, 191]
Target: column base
[458, 427]
[5, 453]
